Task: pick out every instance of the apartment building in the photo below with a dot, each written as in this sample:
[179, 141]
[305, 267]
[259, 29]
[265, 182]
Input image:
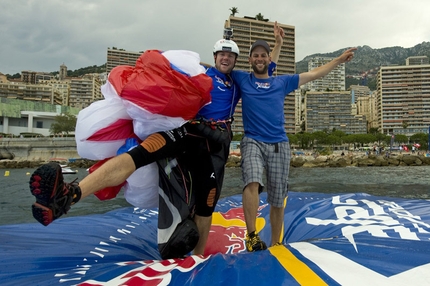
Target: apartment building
[85, 90]
[32, 77]
[403, 98]
[417, 60]
[365, 105]
[335, 80]
[358, 91]
[245, 31]
[32, 92]
[62, 86]
[328, 110]
[116, 57]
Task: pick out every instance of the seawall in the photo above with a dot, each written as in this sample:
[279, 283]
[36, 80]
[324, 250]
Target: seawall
[37, 149]
[33, 152]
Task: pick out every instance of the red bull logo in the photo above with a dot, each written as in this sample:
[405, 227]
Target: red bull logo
[150, 273]
[228, 231]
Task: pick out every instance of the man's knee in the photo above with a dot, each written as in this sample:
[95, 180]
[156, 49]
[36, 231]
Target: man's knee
[253, 188]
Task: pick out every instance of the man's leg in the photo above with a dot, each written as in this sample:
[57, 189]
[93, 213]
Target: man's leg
[250, 201]
[112, 173]
[252, 173]
[276, 221]
[204, 226]
[54, 197]
[277, 187]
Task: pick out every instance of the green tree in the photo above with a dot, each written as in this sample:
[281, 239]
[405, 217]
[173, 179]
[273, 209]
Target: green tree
[422, 139]
[63, 123]
[234, 11]
[365, 138]
[304, 139]
[237, 137]
[382, 138]
[260, 17]
[333, 140]
[401, 139]
[320, 137]
[350, 139]
[15, 76]
[293, 139]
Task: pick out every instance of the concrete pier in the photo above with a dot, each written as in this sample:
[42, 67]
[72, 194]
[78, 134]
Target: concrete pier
[38, 149]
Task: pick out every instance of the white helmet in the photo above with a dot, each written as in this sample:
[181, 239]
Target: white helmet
[226, 46]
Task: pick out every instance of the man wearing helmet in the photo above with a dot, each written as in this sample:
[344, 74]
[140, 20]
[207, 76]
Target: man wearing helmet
[205, 141]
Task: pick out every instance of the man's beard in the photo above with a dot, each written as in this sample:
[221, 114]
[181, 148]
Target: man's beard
[257, 71]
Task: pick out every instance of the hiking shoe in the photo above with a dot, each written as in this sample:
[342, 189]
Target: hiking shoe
[254, 243]
[53, 196]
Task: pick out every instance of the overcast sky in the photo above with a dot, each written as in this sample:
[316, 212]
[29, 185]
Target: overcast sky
[40, 35]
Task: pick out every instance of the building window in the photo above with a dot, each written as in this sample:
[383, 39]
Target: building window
[39, 124]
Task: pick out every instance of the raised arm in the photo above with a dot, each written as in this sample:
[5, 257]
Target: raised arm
[321, 71]
[279, 34]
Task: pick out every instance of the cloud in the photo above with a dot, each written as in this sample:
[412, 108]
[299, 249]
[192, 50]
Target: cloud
[42, 35]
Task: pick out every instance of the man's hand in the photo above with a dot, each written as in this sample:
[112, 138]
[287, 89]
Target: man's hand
[347, 56]
[278, 32]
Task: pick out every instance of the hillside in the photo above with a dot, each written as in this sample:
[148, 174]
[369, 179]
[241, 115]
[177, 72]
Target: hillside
[366, 58]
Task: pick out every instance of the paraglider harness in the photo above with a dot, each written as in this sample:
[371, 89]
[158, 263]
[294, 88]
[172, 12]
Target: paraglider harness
[216, 131]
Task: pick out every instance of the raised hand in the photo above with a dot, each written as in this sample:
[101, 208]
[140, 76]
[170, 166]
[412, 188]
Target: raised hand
[278, 32]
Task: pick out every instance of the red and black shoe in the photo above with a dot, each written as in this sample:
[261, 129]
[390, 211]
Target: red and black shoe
[53, 196]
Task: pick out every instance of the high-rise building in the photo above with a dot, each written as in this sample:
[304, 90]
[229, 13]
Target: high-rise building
[403, 99]
[85, 90]
[245, 31]
[365, 105]
[358, 91]
[117, 57]
[335, 80]
[332, 110]
[417, 60]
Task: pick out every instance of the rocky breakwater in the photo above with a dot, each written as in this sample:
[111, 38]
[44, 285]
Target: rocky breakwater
[351, 160]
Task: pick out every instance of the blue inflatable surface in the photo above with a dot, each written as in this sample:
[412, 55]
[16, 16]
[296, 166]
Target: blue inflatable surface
[347, 239]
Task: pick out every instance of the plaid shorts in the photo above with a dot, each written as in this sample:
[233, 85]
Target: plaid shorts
[275, 159]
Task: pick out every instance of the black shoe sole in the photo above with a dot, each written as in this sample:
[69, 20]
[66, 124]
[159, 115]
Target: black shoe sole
[43, 185]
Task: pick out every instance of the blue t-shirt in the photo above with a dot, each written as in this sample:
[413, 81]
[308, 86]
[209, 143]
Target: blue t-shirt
[263, 105]
[224, 97]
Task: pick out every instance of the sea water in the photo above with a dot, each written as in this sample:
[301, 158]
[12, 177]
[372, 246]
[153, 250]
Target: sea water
[410, 182]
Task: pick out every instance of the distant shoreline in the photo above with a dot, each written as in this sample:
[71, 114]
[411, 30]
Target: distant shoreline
[32, 152]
